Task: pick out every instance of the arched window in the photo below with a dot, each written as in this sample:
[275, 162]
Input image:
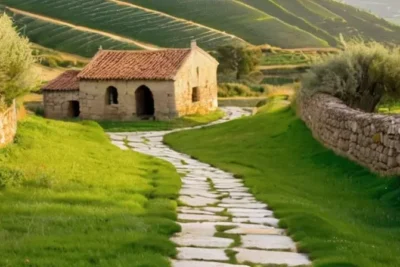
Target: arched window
[112, 96]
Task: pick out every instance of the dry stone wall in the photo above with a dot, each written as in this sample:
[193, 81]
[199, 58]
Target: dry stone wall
[372, 140]
[8, 125]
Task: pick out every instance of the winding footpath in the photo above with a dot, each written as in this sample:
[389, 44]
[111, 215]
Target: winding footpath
[223, 225]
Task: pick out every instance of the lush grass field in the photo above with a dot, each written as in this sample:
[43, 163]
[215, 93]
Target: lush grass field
[186, 121]
[66, 39]
[282, 58]
[337, 211]
[70, 198]
[126, 21]
[278, 80]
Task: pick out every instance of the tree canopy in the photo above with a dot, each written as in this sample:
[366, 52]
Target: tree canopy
[17, 74]
[239, 60]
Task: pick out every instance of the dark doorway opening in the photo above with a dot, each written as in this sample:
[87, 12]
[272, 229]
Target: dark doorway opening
[195, 94]
[144, 102]
[73, 109]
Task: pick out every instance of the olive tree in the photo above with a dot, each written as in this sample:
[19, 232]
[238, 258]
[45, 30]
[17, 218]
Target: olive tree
[360, 75]
[239, 60]
[17, 74]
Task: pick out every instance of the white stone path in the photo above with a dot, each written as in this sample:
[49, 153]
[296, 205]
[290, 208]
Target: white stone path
[217, 209]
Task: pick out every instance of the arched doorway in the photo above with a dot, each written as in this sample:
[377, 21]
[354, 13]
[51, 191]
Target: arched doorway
[144, 102]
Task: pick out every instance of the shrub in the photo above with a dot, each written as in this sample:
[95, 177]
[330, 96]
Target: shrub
[361, 75]
[16, 63]
[235, 89]
[239, 60]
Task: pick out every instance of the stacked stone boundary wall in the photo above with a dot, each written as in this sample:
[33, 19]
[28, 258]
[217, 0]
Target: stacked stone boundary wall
[370, 139]
[8, 125]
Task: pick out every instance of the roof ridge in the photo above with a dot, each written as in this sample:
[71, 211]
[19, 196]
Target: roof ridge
[145, 51]
[135, 64]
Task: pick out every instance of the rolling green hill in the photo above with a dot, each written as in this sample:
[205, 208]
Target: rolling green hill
[65, 38]
[81, 26]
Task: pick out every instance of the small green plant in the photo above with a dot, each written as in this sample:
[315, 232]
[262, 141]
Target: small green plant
[10, 177]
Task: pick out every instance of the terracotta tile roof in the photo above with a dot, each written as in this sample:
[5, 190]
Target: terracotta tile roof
[67, 81]
[135, 65]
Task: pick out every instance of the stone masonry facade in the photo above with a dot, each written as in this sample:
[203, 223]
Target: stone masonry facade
[131, 85]
[56, 103]
[370, 139]
[8, 125]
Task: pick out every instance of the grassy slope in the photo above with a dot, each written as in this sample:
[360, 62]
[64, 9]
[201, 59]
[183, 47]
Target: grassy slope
[337, 18]
[338, 212]
[282, 23]
[186, 121]
[66, 39]
[127, 21]
[239, 19]
[363, 24]
[73, 199]
[278, 11]
[395, 21]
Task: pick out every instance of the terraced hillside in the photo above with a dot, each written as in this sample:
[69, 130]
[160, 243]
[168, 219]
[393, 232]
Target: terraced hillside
[389, 9]
[67, 38]
[81, 26]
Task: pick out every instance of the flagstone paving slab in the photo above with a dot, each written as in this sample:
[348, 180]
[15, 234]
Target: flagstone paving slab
[201, 218]
[246, 206]
[268, 221]
[196, 201]
[268, 242]
[203, 264]
[271, 257]
[212, 200]
[210, 254]
[256, 231]
[189, 240]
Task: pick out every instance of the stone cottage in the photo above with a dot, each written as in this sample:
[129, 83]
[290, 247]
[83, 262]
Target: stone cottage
[129, 85]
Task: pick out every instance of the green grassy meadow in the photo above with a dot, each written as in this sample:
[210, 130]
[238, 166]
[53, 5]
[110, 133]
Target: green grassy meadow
[339, 213]
[186, 121]
[68, 197]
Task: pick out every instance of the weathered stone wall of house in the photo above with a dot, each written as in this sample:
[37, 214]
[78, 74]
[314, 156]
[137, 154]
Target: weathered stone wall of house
[372, 140]
[198, 71]
[56, 103]
[94, 105]
[8, 125]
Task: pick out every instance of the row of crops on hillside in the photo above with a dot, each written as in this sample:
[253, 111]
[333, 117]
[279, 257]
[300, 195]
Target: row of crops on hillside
[368, 24]
[338, 18]
[64, 38]
[271, 7]
[127, 21]
[235, 17]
